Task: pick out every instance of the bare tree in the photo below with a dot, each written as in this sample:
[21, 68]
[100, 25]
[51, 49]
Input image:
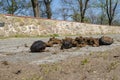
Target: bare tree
[102, 16]
[14, 7]
[110, 10]
[83, 8]
[79, 8]
[9, 6]
[48, 8]
[35, 6]
[76, 17]
[65, 10]
[92, 16]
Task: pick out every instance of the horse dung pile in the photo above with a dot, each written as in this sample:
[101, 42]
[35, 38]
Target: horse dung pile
[67, 43]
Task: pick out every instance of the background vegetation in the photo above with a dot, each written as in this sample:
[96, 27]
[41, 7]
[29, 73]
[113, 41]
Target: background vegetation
[89, 11]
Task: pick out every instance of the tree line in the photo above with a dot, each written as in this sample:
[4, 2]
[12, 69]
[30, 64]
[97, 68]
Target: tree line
[89, 11]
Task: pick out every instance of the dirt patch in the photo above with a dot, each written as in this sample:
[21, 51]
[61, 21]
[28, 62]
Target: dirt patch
[87, 63]
[93, 66]
[100, 66]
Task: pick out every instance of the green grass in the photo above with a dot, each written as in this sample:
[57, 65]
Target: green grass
[54, 35]
[85, 61]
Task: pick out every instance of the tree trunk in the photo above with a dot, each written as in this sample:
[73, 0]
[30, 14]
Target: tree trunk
[110, 10]
[35, 8]
[82, 19]
[110, 22]
[48, 9]
[83, 8]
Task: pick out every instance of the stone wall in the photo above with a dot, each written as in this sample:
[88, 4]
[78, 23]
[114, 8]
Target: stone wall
[19, 26]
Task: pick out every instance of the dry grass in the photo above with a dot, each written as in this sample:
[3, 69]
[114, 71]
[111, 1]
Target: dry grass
[95, 66]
